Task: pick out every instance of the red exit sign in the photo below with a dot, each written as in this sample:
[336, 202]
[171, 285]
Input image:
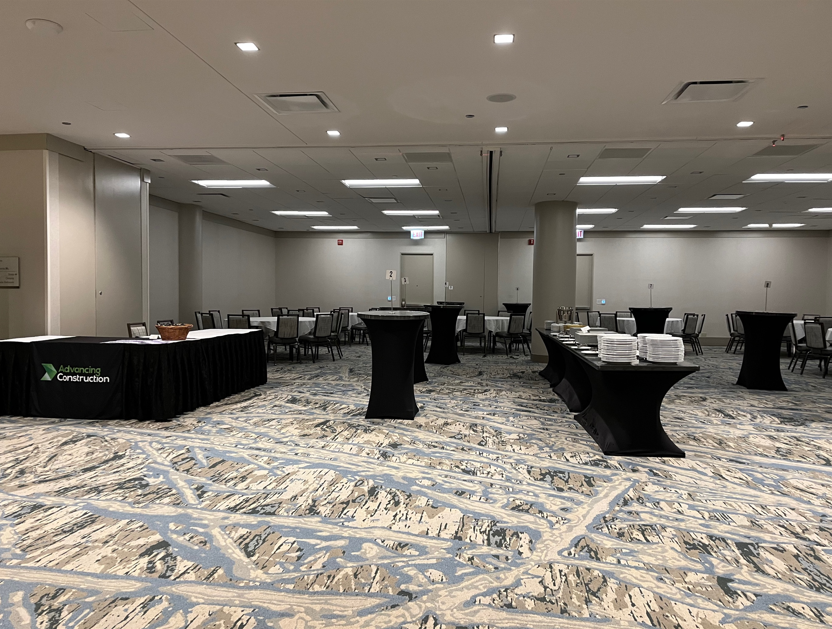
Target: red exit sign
[340, 242]
[531, 241]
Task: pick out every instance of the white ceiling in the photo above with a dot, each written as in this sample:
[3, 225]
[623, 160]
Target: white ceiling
[587, 75]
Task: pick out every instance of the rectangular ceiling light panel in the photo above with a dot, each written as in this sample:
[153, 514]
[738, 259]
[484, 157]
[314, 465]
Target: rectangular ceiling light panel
[411, 212]
[299, 213]
[790, 178]
[233, 183]
[668, 226]
[709, 210]
[726, 197]
[426, 227]
[299, 103]
[823, 210]
[599, 210]
[626, 180]
[381, 183]
[334, 227]
[381, 199]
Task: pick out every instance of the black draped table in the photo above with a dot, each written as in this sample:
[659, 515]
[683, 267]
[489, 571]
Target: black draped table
[86, 377]
[443, 335]
[398, 363]
[650, 320]
[761, 356]
[617, 404]
[516, 308]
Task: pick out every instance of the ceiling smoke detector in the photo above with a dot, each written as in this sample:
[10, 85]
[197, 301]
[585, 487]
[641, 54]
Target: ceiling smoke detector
[299, 103]
[709, 91]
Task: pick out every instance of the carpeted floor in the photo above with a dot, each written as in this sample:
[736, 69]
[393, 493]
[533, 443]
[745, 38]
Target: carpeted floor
[283, 507]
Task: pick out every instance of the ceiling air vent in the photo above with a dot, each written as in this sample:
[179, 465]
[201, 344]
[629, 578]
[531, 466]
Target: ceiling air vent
[785, 150]
[299, 103]
[199, 160]
[709, 91]
[428, 158]
[623, 153]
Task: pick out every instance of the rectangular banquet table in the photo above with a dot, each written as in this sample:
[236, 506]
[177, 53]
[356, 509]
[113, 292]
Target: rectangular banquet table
[617, 404]
[81, 377]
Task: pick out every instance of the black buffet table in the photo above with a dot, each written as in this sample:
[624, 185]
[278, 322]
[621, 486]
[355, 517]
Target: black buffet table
[617, 404]
[91, 378]
[761, 356]
[443, 335]
[650, 320]
[398, 362]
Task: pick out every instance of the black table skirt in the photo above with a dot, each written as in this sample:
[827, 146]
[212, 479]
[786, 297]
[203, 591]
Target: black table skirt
[650, 320]
[761, 356]
[516, 308]
[443, 335]
[158, 381]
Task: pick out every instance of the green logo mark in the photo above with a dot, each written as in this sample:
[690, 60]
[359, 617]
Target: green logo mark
[50, 372]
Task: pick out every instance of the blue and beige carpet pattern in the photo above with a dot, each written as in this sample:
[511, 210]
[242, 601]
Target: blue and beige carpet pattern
[284, 508]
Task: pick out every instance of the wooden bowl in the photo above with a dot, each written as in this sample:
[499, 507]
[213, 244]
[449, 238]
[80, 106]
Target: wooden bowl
[174, 332]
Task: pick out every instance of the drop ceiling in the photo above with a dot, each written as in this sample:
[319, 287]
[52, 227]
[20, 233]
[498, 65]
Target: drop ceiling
[589, 78]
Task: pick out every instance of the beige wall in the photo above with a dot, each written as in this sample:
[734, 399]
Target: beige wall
[239, 266]
[312, 270]
[23, 234]
[515, 269]
[164, 265]
[472, 270]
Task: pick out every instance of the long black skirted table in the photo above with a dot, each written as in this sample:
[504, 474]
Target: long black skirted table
[398, 362]
[94, 378]
[761, 356]
[443, 335]
[650, 320]
[617, 404]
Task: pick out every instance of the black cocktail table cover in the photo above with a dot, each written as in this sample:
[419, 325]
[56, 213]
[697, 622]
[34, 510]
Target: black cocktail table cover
[761, 356]
[158, 382]
[443, 335]
[516, 308]
[398, 363]
[650, 320]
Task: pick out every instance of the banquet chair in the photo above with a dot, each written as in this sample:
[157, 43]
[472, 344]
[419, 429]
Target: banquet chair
[347, 308]
[280, 310]
[215, 314]
[700, 325]
[207, 321]
[527, 332]
[345, 324]
[286, 335]
[198, 316]
[593, 318]
[252, 313]
[314, 309]
[164, 322]
[239, 322]
[308, 312]
[608, 321]
[623, 314]
[689, 326]
[810, 317]
[296, 311]
[734, 337]
[360, 329]
[474, 326]
[427, 331]
[503, 313]
[817, 347]
[135, 330]
[514, 333]
[740, 330]
[319, 336]
[826, 322]
[467, 312]
[800, 348]
[335, 331]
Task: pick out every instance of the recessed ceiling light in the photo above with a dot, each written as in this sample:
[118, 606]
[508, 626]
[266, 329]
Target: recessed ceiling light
[820, 209]
[584, 226]
[627, 180]
[299, 213]
[381, 183]
[787, 225]
[381, 199]
[426, 227]
[156, 159]
[598, 210]
[122, 135]
[333, 133]
[668, 226]
[803, 106]
[410, 212]
[500, 129]
[745, 123]
[756, 226]
[381, 159]
[263, 170]
[233, 183]
[709, 210]
[675, 218]
[573, 156]
[334, 227]
[504, 38]
[44, 27]
[726, 197]
[247, 46]
[66, 123]
[790, 178]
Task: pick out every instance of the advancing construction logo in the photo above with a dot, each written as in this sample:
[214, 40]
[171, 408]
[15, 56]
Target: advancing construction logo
[65, 373]
[50, 371]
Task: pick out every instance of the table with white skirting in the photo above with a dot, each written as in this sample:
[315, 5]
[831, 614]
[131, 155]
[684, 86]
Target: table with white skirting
[492, 324]
[305, 324]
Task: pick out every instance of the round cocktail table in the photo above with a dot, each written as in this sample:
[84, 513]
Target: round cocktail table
[443, 335]
[517, 308]
[761, 356]
[650, 320]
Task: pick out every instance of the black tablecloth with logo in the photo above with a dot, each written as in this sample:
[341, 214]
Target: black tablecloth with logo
[89, 378]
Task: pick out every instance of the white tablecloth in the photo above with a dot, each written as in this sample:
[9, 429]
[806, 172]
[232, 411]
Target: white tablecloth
[673, 326]
[800, 331]
[492, 324]
[305, 324]
[627, 325]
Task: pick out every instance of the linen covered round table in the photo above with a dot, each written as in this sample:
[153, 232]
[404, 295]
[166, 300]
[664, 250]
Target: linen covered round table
[650, 320]
[517, 308]
[761, 357]
[626, 325]
[443, 334]
[673, 326]
[492, 324]
[398, 362]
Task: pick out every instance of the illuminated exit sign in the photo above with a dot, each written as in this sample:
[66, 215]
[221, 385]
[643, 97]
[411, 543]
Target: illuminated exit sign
[417, 234]
[580, 233]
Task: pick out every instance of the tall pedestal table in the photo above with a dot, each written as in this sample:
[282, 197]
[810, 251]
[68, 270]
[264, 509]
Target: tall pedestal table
[761, 357]
[517, 308]
[650, 320]
[398, 362]
[443, 335]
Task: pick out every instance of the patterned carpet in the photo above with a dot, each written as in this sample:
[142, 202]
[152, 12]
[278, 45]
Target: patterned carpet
[282, 507]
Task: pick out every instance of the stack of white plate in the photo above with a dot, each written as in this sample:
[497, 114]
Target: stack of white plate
[665, 349]
[642, 342]
[617, 348]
